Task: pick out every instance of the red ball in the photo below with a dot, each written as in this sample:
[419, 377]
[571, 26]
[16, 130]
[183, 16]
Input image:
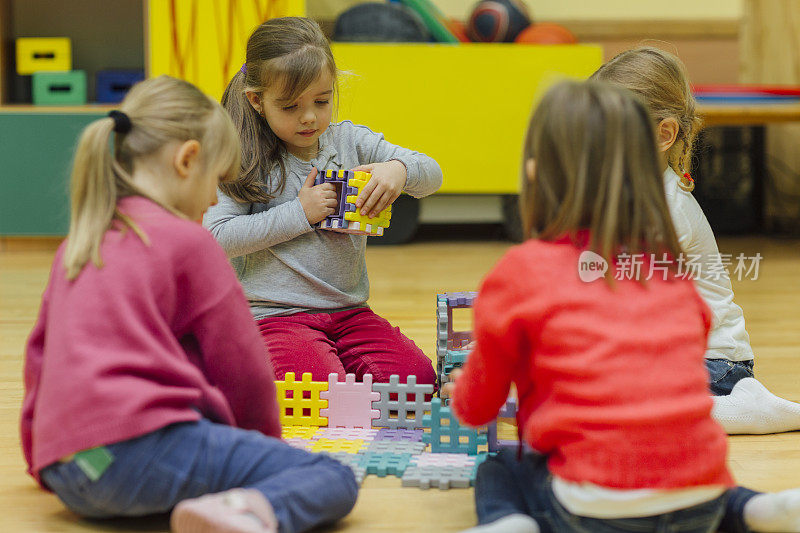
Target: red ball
[497, 21]
[546, 33]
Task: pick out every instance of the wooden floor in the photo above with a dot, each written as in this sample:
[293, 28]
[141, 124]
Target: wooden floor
[404, 283]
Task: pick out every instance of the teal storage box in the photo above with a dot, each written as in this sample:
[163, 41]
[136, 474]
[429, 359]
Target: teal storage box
[59, 88]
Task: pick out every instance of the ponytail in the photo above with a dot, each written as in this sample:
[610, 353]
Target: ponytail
[154, 113]
[98, 181]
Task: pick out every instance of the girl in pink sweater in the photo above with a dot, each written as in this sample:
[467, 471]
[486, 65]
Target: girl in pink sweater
[146, 383]
[584, 318]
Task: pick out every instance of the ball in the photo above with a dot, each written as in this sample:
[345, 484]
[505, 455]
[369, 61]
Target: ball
[546, 33]
[376, 22]
[497, 21]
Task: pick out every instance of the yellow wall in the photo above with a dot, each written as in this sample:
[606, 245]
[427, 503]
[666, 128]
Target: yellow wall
[575, 9]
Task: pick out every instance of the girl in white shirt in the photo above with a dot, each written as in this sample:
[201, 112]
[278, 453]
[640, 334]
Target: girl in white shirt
[741, 403]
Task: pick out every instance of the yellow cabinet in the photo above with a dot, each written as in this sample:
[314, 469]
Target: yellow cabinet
[465, 105]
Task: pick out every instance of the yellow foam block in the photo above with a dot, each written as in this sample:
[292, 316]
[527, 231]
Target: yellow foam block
[381, 220]
[37, 54]
[299, 432]
[295, 408]
[336, 445]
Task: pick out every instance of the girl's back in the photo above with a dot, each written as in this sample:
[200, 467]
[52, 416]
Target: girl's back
[600, 369]
[124, 344]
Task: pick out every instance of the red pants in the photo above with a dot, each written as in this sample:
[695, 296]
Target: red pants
[346, 342]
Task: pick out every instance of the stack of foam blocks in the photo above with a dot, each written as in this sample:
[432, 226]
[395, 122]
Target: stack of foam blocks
[393, 428]
[346, 218]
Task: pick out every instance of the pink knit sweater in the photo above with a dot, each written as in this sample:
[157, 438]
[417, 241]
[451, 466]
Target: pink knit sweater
[160, 334]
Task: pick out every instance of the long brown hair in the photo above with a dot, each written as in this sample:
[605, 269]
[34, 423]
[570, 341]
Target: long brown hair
[660, 80]
[596, 169]
[161, 110]
[290, 52]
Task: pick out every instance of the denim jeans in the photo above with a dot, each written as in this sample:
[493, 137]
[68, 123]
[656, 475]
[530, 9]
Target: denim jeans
[152, 473]
[506, 485]
[724, 374]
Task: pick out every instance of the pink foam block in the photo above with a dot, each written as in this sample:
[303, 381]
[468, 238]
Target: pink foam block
[367, 435]
[350, 403]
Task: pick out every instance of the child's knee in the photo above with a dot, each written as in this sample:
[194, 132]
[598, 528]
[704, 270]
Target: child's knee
[423, 369]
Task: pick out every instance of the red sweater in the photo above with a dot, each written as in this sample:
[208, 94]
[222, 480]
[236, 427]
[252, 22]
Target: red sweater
[161, 334]
[611, 380]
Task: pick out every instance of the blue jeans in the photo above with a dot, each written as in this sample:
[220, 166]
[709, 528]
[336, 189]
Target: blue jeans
[724, 374]
[152, 473]
[507, 485]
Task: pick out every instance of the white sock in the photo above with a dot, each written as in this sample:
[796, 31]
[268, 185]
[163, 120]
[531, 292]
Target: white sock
[774, 512]
[513, 523]
[751, 409]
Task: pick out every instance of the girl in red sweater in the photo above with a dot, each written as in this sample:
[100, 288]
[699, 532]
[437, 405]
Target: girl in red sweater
[146, 383]
[583, 319]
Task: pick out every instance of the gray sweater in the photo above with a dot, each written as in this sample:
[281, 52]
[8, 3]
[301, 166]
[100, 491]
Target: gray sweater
[284, 264]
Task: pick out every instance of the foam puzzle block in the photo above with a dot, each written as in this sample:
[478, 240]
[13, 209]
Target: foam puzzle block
[445, 459]
[450, 343]
[409, 407]
[335, 445]
[297, 443]
[367, 435]
[353, 461]
[495, 443]
[410, 435]
[346, 218]
[447, 434]
[299, 401]
[509, 410]
[383, 464]
[349, 403]
[299, 432]
[443, 477]
[397, 447]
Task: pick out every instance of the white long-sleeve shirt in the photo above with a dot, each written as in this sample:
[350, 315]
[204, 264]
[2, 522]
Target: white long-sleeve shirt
[728, 338]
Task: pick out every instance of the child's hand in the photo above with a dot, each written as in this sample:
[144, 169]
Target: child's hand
[449, 388]
[318, 201]
[385, 185]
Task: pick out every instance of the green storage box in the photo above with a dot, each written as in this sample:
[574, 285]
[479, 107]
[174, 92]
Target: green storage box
[59, 88]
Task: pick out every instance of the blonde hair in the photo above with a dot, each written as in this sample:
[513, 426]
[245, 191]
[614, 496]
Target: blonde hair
[660, 80]
[596, 169]
[287, 52]
[161, 110]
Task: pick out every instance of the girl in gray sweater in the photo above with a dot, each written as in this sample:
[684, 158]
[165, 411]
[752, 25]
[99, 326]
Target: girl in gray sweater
[308, 288]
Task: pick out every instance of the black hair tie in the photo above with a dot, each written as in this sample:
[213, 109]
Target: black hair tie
[122, 122]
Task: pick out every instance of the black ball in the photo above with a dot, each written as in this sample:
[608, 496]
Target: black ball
[378, 22]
